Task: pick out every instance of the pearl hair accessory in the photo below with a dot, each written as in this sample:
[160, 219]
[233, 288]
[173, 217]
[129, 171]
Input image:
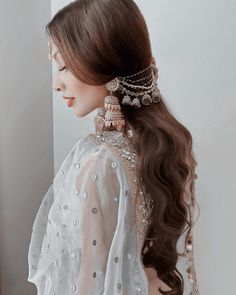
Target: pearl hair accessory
[148, 94]
[145, 94]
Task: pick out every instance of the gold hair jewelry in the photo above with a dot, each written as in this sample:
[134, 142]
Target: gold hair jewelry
[143, 94]
[113, 116]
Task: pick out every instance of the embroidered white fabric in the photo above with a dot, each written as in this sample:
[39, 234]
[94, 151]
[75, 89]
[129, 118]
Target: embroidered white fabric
[84, 238]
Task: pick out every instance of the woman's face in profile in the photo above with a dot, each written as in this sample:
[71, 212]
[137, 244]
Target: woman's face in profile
[85, 98]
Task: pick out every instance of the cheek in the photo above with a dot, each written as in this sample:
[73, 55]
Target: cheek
[74, 86]
[86, 95]
[96, 94]
[89, 93]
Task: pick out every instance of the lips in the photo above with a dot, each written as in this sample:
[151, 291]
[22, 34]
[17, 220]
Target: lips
[70, 101]
[65, 97]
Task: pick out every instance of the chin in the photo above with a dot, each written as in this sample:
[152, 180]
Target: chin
[80, 113]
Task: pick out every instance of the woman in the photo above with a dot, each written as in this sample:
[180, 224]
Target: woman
[110, 222]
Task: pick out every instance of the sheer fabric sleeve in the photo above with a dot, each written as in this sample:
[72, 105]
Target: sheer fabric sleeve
[98, 182]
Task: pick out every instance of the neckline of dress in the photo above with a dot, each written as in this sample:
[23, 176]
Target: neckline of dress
[114, 137]
[99, 128]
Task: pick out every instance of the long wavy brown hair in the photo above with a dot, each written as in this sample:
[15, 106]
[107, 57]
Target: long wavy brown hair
[104, 39]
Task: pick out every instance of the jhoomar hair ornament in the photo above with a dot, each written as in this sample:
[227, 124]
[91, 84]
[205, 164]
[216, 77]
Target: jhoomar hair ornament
[144, 94]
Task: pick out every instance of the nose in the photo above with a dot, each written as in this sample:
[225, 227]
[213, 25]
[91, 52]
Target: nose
[57, 84]
[56, 87]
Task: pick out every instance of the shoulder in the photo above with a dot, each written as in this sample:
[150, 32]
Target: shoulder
[91, 151]
[116, 142]
[110, 142]
[109, 148]
[121, 149]
[101, 157]
[99, 166]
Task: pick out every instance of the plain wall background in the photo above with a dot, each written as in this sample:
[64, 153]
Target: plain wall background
[26, 138]
[194, 46]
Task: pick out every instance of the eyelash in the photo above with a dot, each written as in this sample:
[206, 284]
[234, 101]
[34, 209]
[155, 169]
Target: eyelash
[62, 69]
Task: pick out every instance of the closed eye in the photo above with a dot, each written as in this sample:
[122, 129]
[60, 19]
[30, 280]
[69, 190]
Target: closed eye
[62, 69]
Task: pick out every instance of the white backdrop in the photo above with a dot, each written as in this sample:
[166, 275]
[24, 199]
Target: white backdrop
[26, 138]
[194, 44]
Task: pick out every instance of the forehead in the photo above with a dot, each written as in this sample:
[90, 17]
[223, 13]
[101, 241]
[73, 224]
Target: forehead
[53, 50]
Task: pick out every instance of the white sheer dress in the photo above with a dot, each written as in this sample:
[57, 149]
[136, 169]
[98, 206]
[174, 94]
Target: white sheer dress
[86, 237]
